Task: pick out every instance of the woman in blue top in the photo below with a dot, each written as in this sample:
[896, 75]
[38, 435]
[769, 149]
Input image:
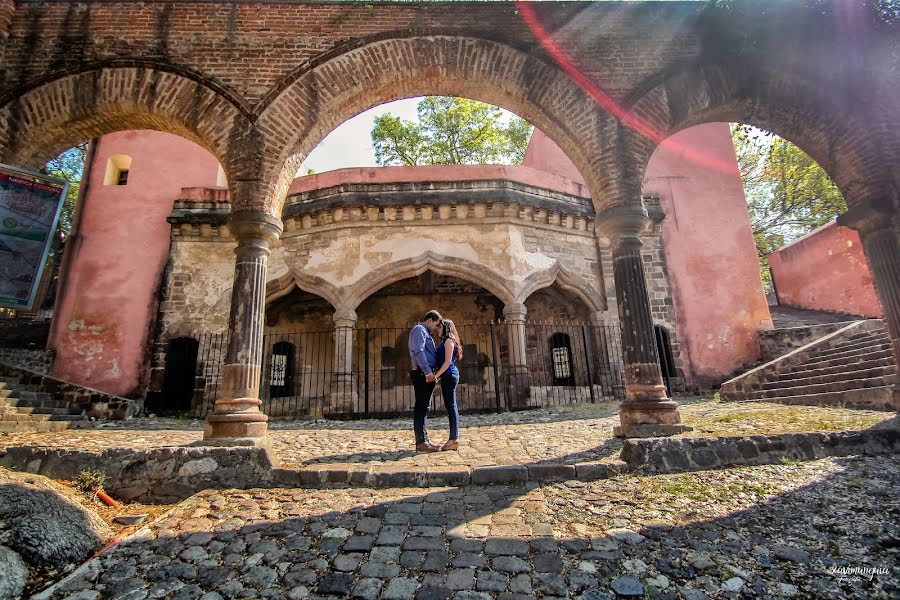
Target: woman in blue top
[448, 352]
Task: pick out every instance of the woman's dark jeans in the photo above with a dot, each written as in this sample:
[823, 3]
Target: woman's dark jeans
[448, 392]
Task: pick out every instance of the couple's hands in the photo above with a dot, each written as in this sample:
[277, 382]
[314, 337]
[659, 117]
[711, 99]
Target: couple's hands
[432, 378]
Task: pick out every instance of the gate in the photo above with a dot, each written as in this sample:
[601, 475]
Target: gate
[564, 363]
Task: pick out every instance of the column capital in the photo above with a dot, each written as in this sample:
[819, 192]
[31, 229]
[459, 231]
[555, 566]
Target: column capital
[253, 225]
[867, 219]
[515, 312]
[344, 317]
[623, 224]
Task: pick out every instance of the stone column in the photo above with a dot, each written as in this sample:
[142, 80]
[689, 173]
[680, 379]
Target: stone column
[343, 394]
[880, 234]
[514, 316]
[646, 411]
[236, 418]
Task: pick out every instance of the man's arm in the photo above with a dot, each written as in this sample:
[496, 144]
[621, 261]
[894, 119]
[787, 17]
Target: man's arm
[417, 347]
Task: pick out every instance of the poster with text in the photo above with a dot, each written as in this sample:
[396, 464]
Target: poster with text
[29, 210]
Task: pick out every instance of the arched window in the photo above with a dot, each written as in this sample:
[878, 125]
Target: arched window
[561, 359]
[664, 351]
[180, 377]
[117, 168]
[281, 382]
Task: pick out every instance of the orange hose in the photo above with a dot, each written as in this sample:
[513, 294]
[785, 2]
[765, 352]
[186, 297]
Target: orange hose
[106, 499]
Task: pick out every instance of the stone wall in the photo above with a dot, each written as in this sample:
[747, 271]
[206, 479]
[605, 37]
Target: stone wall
[777, 342]
[673, 455]
[160, 475]
[22, 333]
[94, 403]
[37, 361]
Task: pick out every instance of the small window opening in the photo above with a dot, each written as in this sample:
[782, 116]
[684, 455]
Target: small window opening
[117, 168]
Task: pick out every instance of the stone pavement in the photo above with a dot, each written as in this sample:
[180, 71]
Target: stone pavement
[567, 434]
[823, 529]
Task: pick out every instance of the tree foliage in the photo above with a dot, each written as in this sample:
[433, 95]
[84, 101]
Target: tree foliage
[69, 166]
[450, 131]
[788, 194]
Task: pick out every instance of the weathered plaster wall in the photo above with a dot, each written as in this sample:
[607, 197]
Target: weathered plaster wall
[826, 270]
[108, 304]
[710, 254]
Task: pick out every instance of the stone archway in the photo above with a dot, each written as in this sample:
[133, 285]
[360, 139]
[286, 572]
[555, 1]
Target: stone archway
[316, 98]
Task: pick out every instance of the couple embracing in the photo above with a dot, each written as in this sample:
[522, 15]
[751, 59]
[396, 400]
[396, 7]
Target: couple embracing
[432, 365]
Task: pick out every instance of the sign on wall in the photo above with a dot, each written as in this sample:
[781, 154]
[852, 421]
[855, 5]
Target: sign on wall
[30, 204]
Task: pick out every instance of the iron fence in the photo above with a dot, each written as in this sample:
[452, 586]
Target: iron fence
[364, 372]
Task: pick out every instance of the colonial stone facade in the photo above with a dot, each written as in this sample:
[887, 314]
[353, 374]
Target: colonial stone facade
[260, 84]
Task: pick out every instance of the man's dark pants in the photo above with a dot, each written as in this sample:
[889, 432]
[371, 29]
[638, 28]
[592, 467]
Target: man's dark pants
[423, 390]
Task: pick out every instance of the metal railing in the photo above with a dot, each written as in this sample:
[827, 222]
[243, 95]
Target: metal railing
[564, 363]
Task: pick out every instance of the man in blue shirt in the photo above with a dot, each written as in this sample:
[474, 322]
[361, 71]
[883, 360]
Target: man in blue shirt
[422, 358]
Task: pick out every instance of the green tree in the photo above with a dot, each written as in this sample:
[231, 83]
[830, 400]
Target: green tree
[788, 194]
[69, 166]
[450, 131]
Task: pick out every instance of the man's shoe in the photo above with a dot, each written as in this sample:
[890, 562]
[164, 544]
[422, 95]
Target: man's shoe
[427, 447]
[451, 445]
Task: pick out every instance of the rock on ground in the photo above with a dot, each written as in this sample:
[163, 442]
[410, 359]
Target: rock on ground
[14, 573]
[42, 521]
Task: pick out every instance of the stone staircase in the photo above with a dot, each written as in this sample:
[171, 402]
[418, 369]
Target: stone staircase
[27, 408]
[852, 367]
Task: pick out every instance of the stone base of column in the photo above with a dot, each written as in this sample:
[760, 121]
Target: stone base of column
[236, 429]
[649, 418]
[343, 398]
[519, 388]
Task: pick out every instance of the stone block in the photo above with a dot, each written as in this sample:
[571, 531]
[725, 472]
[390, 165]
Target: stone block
[501, 475]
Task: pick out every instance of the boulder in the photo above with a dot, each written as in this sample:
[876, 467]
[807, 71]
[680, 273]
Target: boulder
[15, 573]
[45, 522]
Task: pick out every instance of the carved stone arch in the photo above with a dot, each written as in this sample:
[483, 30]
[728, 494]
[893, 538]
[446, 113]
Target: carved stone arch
[295, 278]
[314, 100]
[61, 111]
[786, 103]
[460, 268]
[593, 300]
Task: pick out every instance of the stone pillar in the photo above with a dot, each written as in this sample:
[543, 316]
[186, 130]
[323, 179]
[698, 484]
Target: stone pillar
[236, 418]
[343, 394]
[514, 316]
[880, 234]
[646, 411]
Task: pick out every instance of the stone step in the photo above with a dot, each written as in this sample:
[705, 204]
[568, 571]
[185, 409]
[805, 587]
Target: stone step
[844, 361]
[32, 426]
[876, 398]
[850, 353]
[802, 371]
[43, 410]
[839, 375]
[857, 344]
[820, 388]
[16, 416]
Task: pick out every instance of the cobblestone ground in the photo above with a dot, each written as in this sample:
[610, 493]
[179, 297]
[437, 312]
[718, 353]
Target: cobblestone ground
[824, 529]
[567, 434]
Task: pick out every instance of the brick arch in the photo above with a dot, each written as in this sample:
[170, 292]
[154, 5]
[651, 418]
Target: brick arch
[785, 103]
[312, 103]
[57, 113]
[460, 268]
[296, 278]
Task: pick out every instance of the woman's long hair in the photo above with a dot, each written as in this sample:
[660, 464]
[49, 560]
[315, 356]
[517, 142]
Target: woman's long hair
[450, 332]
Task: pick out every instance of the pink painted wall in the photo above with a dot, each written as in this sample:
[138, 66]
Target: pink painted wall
[713, 270]
[544, 155]
[517, 173]
[826, 270]
[711, 257]
[107, 307]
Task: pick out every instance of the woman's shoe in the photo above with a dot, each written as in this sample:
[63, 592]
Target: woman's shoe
[427, 447]
[450, 445]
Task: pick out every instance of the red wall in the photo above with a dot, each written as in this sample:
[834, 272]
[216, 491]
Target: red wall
[713, 270]
[826, 270]
[711, 257]
[108, 303]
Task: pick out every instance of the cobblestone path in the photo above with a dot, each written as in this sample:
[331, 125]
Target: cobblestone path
[824, 529]
[567, 434]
